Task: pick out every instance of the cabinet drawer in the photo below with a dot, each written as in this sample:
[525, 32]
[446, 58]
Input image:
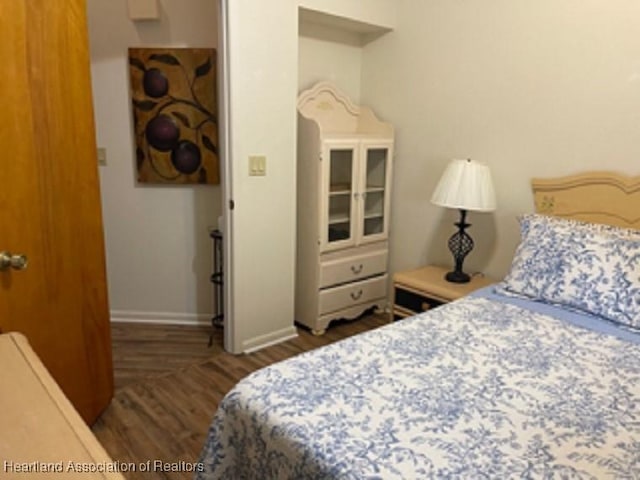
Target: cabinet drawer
[345, 270]
[414, 302]
[355, 293]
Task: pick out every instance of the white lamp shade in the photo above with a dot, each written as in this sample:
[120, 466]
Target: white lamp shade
[465, 185]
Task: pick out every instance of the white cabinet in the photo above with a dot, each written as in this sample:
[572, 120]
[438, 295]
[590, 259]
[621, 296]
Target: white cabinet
[344, 189]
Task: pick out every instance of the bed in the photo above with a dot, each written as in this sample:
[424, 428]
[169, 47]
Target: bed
[537, 377]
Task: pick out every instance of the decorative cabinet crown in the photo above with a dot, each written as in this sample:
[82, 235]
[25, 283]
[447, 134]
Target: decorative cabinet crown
[334, 113]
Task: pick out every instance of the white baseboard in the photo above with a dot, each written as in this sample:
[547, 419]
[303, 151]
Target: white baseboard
[263, 341]
[171, 318]
[164, 318]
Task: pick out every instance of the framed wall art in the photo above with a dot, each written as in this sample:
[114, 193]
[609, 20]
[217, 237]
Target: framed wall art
[173, 98]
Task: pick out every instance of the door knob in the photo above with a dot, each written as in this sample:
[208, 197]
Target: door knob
[9, 260]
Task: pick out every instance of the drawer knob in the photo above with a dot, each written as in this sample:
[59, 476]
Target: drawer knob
[356, 270]
[356, 296]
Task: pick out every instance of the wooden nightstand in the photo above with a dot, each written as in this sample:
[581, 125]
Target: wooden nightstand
[419, 290]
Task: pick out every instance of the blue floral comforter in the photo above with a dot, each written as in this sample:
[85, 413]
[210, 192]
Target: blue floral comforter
[474, 389]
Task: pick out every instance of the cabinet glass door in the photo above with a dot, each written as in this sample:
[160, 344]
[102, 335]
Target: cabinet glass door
[375, 192]
[340, 197]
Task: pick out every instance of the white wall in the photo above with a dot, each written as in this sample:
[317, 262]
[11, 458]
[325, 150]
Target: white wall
[340, 63]
[263, 87]
[540, 88]
[158, 248]
[331, 37]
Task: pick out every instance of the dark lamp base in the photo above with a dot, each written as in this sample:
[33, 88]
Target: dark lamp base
[457, 277]
[460, 245]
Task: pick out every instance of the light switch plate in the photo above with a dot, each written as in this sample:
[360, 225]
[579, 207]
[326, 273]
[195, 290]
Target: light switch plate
[257, 165]
[102, 156]
[144, 10]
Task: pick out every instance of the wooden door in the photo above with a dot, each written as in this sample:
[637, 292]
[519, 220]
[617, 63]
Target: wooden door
[49, 198]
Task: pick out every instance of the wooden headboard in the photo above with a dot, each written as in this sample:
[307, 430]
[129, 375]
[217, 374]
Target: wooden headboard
[598, 197]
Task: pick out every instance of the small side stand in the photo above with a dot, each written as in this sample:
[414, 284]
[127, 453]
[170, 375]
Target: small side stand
[217, 278]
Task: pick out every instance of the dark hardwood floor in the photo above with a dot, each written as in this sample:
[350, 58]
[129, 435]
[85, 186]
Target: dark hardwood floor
[169, 384]
[141, 351]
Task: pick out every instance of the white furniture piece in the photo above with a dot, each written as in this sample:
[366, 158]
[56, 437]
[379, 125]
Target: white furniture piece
[344, 189]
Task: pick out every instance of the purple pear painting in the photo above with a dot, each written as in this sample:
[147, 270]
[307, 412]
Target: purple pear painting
[173, 97]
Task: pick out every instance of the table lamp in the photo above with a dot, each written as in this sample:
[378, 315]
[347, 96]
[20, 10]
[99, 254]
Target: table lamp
[465, 185]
